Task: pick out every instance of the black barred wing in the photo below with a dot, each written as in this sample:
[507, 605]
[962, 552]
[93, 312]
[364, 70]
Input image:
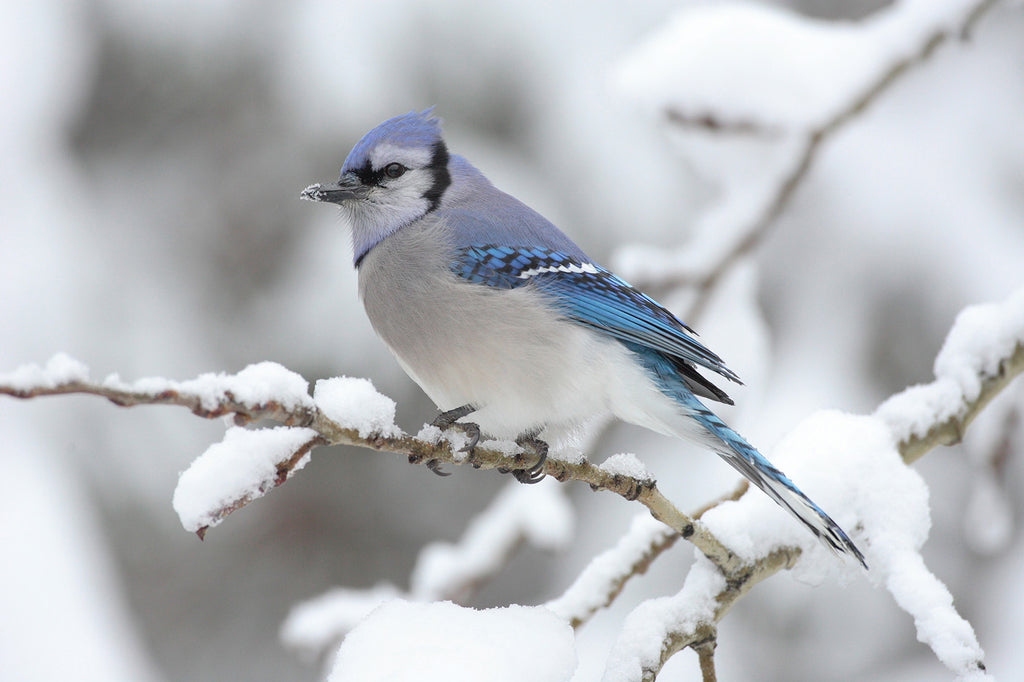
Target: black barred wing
[590, 295]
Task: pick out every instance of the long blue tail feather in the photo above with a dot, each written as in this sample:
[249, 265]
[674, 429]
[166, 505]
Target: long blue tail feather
[741, 455]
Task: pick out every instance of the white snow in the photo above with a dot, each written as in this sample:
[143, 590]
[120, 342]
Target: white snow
[850, 467]
[920, 196]
[443, 642]
[538, 514]
[257, 384]
[626, 464]
[241, 467]
[355, 404]
[429, 434]
[767, 67]
[316, 624]
[639, 643]
[591, 588]
[980, 337]
[59, 369]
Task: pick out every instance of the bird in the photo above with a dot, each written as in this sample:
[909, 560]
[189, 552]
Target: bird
[494, 312]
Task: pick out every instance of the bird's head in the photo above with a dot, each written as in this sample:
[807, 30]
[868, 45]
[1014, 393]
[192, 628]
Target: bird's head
[396, 174]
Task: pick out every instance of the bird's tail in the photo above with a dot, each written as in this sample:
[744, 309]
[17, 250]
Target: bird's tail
[748, 461]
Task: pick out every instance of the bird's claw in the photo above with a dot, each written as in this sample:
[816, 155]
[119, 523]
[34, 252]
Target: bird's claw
[534, 474]
[435, 466]
[472, 432]
[448, 420]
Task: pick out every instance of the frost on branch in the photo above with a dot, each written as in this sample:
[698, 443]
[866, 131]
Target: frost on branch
[317, 625]
[780, 87]
[852, 465]
[60, 370]
[855, 466]
[774, 69]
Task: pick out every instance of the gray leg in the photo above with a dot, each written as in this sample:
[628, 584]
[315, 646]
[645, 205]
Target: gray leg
[446, 419]
[449, 419]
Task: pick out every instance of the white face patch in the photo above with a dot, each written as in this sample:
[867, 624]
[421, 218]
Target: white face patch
[386, 153]
[583, 268]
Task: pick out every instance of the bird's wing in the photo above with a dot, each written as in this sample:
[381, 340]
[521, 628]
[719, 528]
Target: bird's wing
[590, 295]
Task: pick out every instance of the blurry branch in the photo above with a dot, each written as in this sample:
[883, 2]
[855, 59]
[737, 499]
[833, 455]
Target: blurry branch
[950, 431]
[777, 200]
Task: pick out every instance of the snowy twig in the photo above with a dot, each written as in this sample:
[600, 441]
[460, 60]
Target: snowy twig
[540, 515]
[951, 430]
[606, 575]
[982, 354]
[777, 198]
[634, 557]
[211, 398]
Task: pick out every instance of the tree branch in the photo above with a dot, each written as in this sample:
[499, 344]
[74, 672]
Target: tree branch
[950, 431]
[777, 200]
[417, 451]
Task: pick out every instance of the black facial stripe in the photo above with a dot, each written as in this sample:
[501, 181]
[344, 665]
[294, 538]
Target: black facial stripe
[438, 165]
[442, 178]
[368, 175]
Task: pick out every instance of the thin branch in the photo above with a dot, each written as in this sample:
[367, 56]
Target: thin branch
[911, 448]
[123, 396]
[417, 451]
[738, 583]
[950, 431]
[752, 235]
[706, 656]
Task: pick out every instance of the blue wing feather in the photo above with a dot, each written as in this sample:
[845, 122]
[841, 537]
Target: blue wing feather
[590, 295]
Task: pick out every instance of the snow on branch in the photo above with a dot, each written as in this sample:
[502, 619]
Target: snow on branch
[981, 355]
[606, 574]
[867, 479]
[781, 78]
[747, 539]
[342, 411]
[537, 514]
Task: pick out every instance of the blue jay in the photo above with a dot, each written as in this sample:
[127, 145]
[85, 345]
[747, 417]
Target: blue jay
[495, 312]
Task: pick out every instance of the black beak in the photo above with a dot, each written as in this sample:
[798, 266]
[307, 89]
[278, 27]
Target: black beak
[348, 187]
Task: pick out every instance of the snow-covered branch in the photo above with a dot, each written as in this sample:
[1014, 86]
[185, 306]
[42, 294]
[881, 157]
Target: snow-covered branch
[341, 411]
[982, 354]
[861, 64]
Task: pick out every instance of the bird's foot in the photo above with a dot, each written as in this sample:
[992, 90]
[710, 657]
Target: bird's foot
[448, 420]
[530, 443]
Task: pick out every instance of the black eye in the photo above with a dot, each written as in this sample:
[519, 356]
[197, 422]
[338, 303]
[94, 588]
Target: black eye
[394, 170]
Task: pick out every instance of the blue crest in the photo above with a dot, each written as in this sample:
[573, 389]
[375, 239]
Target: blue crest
[416, 129]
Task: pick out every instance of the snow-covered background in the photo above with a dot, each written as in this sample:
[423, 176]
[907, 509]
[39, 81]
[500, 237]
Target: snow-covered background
[150, 225]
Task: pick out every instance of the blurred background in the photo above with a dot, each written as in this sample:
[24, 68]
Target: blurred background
[150, 224]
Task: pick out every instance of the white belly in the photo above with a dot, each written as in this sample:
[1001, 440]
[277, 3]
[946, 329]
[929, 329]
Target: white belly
[504, 351]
